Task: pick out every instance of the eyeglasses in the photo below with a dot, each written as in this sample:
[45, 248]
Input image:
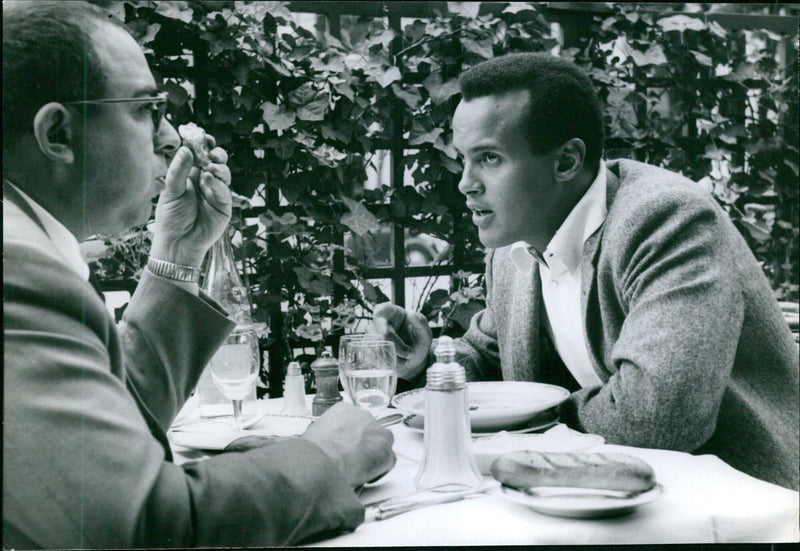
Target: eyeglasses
[158, 105]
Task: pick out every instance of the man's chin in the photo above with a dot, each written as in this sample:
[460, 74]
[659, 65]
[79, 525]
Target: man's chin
[492, 241]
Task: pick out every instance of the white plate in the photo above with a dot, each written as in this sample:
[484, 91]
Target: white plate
[215, 434]
[495, 405]
[541, 421]
[583, 506]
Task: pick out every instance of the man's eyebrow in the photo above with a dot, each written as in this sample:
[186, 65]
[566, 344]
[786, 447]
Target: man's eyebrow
[480, 148]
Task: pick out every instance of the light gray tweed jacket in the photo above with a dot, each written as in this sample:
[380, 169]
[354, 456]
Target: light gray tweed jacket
[681, 326]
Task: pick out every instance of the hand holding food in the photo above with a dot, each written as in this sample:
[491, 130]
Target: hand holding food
[195, 206]
[194, 138]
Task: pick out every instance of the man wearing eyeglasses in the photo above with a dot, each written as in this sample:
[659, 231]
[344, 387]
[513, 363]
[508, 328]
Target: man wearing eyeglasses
[86, 463]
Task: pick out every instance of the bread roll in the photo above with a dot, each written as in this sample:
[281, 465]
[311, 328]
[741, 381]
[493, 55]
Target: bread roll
[194, 138]
[602, 471]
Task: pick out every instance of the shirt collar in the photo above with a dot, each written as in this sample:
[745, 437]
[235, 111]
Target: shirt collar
[580, 224]
[63, 240]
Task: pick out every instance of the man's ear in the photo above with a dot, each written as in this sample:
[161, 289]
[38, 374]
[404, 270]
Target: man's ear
[568, 159]
[52, 127]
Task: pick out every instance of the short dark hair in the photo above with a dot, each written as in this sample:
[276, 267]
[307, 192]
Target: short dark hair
[563, 103]
[48, 55]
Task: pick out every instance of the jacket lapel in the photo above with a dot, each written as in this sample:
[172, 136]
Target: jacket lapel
[592, 324]
[523, 339]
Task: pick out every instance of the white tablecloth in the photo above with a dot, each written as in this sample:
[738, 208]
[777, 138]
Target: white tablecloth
[704, 501]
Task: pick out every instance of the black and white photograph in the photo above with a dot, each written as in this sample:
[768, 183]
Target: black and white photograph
[368, 274]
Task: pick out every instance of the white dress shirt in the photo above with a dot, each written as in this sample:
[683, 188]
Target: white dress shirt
[561, 278]
[65, 243]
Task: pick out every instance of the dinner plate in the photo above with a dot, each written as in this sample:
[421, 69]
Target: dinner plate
[540, 421]
[215, 434]
[583, 506]
[495, 405]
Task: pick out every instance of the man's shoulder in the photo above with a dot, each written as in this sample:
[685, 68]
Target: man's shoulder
[639, 188]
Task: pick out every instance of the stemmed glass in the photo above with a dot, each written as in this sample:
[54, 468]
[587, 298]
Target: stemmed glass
[234, 368]
[369, 372]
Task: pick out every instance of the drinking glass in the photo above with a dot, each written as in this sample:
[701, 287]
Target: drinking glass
[369, 372]
[234, 368]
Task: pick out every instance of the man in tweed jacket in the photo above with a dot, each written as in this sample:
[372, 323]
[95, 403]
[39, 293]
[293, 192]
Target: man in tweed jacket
[623, 282]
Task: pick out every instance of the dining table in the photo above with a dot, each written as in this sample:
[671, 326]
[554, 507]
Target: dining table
[701, 499]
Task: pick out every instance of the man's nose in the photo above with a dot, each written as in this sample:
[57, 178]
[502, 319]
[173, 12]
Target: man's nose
[167, 139]
[469, 183]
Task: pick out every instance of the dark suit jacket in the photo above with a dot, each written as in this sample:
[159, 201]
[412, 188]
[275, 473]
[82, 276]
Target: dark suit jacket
[680, 323]
[85, 409]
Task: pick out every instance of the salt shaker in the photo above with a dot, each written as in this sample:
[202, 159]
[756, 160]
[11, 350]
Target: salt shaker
[447, 456]
[326, 374]
[294, 391]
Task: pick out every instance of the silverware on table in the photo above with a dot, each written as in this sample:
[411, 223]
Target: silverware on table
[393, 506]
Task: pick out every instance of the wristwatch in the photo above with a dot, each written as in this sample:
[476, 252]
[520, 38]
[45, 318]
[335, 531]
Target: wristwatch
[177, 272]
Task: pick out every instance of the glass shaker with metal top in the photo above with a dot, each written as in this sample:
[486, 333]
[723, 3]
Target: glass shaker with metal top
[447, 461]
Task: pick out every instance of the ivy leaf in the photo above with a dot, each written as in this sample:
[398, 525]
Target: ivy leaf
[175, 9]
[426, 137]
[653, 56]
[415, 31]
[717, 29]
[702, 58]
[412, 97]
[280, 69]
[277, 117]
[446, 148]
[744, 71]
[516, 7]
[681, 23]
[391, 75]
[149, 36]
[382, 39]
[344, 89]
[466, 9]
[482, 48]
[329, 155]
[359, 219]
[371, 293]
[314, 111]
[440, 92]
[177, 94]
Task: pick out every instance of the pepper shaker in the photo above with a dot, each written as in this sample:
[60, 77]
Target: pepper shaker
[326, 374]
[447, 458]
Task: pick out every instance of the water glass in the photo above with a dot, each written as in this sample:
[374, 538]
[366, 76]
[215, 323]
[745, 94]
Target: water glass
[234, 368]
[369, 372]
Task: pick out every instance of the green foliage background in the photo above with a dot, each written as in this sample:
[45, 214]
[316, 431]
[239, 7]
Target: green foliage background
[304, 113]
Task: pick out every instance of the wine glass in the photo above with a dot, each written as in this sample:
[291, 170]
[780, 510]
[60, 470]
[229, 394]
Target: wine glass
[345, 356]
[369, 372]
[234, 368]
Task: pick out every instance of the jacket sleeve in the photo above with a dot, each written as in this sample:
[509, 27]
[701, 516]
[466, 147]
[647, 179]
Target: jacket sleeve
[670, 275]
[477, 350]
[165, 345]
[81, 468]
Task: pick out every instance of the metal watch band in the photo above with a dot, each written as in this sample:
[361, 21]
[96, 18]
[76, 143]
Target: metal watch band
[169, 270]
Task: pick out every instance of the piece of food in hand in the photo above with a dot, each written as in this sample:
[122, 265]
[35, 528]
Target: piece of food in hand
[601, 471]
[240, 201]
[194, 138]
